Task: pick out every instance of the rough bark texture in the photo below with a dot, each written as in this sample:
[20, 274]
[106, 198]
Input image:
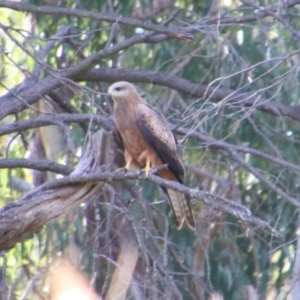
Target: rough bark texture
[19, 220]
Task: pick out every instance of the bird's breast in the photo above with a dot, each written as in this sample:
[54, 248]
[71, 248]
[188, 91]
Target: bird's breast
[133, 140]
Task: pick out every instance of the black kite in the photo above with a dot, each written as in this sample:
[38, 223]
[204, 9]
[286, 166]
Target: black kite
[147, 140]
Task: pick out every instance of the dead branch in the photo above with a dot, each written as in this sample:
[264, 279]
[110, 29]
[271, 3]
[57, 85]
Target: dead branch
[219, 94]
[54, 119]
[176, 32]
[36, 164]
[23, 96]
[20, 220]
[257, 15]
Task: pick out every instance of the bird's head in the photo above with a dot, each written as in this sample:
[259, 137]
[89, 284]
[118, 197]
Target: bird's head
[121, 91]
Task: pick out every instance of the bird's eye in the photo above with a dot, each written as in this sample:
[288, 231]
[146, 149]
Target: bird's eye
[118, 89]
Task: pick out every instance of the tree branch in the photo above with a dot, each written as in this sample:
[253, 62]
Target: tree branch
[173, 32]
[36, 164]
[227, 96]
[275, 15]
[55, 198]
[23, 218]
[107, 123]
[258, 15]
[228, 147]
[24, 95]
[234, 151]
[30, 94]
[55, 119]
[181, 32]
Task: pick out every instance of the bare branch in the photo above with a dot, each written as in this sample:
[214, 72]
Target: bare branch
[214, 143]
[31, 95]
[22, 219]
[174, 32]
[251, 99]
[108, 124]
[54, 198]
[15, 100]
[234, 151]
[182, 32]
[274, 14]
[36, 164]
[55, 119]
[258, 15]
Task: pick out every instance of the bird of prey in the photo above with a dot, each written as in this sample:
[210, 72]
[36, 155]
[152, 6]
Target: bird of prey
[148, 142]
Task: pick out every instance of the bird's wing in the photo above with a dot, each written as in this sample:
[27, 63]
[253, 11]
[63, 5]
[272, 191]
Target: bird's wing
[156, 131]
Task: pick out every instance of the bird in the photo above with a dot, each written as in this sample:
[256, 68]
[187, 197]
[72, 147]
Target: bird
[148, 142]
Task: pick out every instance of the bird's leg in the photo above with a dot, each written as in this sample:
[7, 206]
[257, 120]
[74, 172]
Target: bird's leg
[147, 168]
[146, 155]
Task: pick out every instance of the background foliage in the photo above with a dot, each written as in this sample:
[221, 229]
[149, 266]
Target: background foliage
[225, 74]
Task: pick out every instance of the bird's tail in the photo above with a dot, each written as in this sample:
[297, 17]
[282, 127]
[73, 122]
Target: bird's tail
[179, 202]
[181, 208]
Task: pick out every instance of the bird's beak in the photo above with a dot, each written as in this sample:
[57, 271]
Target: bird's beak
[110, 90]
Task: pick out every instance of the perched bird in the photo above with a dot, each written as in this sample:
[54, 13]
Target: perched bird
[148, 142]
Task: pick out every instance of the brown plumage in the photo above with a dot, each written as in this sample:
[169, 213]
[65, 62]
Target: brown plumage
[148, 142]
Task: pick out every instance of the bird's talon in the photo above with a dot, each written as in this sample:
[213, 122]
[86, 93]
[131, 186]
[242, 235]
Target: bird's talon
[147, 169]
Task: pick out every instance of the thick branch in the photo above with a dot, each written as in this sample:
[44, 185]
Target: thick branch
[22, 97]
[21, 219]
[252, 99]
[27, 216]
[15, 101]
